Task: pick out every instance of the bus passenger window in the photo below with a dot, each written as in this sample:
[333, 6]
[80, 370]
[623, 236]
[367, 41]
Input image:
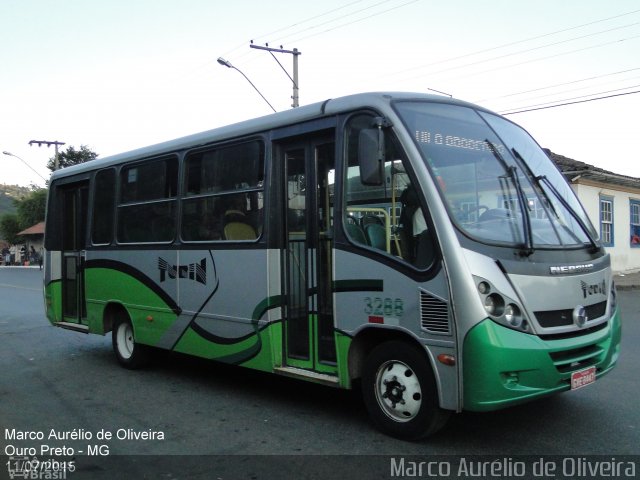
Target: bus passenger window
[146, 212]
[388, 217]
[103, 207]
[224, 197]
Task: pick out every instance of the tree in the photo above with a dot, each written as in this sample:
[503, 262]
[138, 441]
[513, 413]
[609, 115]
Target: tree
[71, 156]
[9, 227]
[31, 208]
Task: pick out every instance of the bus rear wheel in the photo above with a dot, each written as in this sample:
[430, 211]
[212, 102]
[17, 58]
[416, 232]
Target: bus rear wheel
[400, 392]
[129, 353]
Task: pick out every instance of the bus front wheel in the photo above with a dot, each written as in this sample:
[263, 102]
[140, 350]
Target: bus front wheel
[130, 354]
[400, 393]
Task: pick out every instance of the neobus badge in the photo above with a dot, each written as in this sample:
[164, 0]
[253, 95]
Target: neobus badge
[561, 269]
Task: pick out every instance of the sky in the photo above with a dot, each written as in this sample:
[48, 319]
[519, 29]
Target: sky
[124, 74]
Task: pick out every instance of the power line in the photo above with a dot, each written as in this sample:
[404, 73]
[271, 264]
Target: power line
[478, 52]
[548, 57]
[530, 50]
[578, 97]
[244, 44]
[557, 85]
[286, 37]
[543, 46]
[299, 39]
[309, 19]
[527, 109]
[574, 91]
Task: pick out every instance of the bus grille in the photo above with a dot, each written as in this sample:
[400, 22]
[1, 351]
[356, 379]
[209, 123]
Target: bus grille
[577, 358]
[562, 318]
[434, 314]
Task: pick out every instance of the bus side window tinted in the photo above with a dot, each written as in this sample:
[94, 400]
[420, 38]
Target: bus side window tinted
[148, 201]
[386, 217]
[103, 207]
[224, 197]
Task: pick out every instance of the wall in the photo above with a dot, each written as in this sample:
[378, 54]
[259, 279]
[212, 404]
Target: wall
[624, 257]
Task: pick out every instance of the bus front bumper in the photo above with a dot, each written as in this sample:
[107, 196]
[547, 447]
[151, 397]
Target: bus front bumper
[504, 367]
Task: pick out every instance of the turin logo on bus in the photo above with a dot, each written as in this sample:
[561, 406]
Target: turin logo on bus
[593, 289]
[193, 271]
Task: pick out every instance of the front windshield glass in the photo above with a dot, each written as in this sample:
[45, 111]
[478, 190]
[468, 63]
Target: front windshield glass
[521, 144]
[490, 193]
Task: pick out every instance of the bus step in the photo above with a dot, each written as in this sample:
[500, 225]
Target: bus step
[73, 326]
[323, 378]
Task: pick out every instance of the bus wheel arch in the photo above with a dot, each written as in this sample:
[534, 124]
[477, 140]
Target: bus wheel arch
[112, 313]
[368, 339]
[129, 353]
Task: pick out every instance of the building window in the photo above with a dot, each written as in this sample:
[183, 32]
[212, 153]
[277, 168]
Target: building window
[606, 221]
[635, 223]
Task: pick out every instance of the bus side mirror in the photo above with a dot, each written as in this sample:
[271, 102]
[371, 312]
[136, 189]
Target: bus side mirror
[371, 156]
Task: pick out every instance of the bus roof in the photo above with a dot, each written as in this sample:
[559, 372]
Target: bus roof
[275, 120]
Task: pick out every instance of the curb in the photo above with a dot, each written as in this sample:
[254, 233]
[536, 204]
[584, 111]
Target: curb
[2, 267]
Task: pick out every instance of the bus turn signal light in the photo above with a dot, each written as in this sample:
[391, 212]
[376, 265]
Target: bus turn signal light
[447, 359]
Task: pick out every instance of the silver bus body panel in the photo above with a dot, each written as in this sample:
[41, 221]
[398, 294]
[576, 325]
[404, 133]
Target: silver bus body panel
[204, 284]
[359, 308]
[561, 293]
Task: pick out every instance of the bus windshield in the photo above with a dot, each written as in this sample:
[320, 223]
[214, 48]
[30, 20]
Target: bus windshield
[498, 185]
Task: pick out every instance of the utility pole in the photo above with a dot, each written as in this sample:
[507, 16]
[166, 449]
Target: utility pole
[295, 52]
[48, 144]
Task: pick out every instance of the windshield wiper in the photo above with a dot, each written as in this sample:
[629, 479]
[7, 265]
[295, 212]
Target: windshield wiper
[513, 173]
[543, 178]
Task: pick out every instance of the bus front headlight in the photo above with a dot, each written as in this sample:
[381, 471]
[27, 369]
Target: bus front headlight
[494, 304]
[513, 315]
[500, 308]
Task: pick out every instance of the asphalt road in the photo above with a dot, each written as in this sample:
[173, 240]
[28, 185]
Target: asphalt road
[213, 421]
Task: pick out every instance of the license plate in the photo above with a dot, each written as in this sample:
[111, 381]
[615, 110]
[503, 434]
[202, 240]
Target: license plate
[583, 377]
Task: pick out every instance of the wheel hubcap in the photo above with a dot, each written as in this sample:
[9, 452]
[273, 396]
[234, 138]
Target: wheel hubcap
[125, 340]
[398, 391]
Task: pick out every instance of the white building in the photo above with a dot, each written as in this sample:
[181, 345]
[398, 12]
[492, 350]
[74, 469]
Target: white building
[612, 202]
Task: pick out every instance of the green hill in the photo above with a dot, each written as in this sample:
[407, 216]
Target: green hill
[7, 194]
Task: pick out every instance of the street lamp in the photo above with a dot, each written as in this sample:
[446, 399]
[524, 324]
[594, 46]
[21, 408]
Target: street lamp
[23, 161]
[227, 64]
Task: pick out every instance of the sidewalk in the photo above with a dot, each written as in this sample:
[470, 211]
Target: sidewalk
[627, 281]
[19, 266]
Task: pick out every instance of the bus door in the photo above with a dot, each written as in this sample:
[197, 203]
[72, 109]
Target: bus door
[309, 341]
[75, 200]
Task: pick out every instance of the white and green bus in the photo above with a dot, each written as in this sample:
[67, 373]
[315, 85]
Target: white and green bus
[421, 247]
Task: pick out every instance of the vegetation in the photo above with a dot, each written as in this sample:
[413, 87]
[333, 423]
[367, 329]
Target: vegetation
[71, 156]
[8, 195]
[9, 227]
[31, 208]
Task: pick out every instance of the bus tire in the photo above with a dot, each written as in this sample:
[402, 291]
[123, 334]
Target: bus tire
[400, 392]
[129, 353]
